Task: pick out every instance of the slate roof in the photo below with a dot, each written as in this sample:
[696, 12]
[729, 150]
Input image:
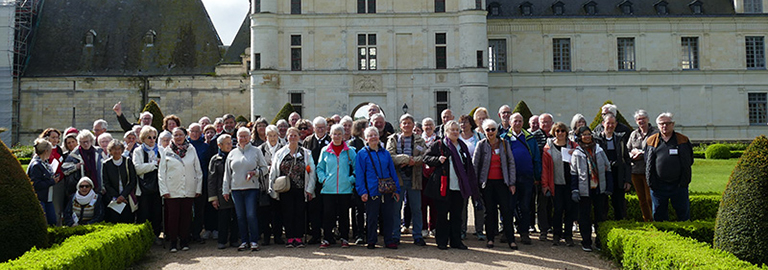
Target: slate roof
[610, 8]
[185, 41]
[242, 40]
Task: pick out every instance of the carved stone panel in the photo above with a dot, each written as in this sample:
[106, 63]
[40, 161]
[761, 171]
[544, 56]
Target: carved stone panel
[367, 84]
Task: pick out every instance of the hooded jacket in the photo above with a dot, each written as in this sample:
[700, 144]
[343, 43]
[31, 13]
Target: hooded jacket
[333, 172]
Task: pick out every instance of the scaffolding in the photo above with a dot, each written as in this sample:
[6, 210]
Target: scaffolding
[25, 21]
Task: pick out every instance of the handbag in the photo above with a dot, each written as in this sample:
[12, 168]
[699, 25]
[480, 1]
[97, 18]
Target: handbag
[386, 185]
[283, 183]
[148, 182]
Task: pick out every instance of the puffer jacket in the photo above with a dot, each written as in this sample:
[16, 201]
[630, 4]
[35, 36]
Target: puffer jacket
[180, 177]
[418, 148]
[333, 171]
[580, 170]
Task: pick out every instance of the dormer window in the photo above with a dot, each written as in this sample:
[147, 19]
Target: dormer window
[626, 7]
[661, 8]
[494, 9]
[696, 7]
[558, 8]
[526, 8]
[90, 38]
[149, 38]
[590, 8]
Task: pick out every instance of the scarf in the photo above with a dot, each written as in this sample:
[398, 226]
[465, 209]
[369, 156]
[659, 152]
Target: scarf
[467, 178]
[594, 173]
[153, 149]
[89, 160]
[223, 154]
[180, 150]
[85, 199]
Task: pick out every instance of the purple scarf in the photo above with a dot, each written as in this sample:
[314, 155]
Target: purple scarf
[467, 179]
[89, 160]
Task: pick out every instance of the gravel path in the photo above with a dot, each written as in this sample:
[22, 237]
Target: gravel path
[539, 255]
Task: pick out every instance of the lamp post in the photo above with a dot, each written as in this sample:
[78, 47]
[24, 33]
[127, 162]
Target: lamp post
[405, 108]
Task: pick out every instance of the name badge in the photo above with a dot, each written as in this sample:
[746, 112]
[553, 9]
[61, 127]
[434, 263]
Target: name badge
[496, 150]
[673, 152]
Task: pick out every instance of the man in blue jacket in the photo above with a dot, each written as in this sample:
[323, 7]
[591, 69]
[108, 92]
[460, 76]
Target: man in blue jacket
[528, 169]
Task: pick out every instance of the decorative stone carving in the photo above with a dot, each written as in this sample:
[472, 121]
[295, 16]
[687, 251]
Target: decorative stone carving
[367, 84]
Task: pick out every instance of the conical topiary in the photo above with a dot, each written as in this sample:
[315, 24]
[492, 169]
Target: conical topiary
[472, 112]
[522, 108]
[22, 223]
[241, 119]
[157, 114]
[599, 118]
[741, 227]
[283, 113]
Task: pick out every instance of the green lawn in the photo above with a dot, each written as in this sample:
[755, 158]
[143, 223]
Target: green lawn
[711, 175]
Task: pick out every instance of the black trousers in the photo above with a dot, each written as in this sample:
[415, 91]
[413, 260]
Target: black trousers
[496, 197]
[335, 208]
[294, 212]
[270, 219]
[315, 215]
[151, 208]
[597, 205]
[449, 229]
[358, 216]
[618, 200]
[198, 215]
[227, 226]
[565, 212]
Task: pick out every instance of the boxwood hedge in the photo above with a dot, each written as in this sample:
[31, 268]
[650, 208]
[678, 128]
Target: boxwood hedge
[703, 207]
[105, 247]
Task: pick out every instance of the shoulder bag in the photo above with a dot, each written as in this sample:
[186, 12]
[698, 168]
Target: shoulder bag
[386, 185]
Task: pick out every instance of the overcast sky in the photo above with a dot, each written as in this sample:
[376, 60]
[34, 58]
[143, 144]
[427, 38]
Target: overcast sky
[227, 15]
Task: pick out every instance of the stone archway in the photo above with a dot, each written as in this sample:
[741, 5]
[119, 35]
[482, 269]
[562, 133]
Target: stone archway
[361, 111]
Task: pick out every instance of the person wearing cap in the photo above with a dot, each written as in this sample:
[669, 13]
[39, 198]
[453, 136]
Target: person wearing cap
[85, 206]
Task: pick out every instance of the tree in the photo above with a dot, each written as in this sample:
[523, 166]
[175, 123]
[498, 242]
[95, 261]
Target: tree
[599, 117]
[283, 113]
[241, 119]
[522, 108]
[22, 223]
[741, 227]
[157, 114]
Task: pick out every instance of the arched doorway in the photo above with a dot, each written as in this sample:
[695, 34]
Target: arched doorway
[361, 111]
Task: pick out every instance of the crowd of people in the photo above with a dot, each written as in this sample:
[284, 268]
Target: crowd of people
[318, 182]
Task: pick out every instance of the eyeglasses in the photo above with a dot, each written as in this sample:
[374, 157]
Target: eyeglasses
[561, 131]
[666, 123]
[85, 186]
[303, 128]
[506, 112]
[490, 130]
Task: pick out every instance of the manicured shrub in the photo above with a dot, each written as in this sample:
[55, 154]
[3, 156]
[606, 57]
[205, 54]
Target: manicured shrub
[107, 247]
[718, 151]
[522, 108]
[472, 112]
[703, 207]
[57, 235]
[23, 151]
[241, 119]
[22, 224]
[742, 220]
[647, 247]
[157, 114]
[599, 117]
[283, 113]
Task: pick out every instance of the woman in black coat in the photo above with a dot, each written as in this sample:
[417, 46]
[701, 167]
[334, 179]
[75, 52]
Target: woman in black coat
[119, 177]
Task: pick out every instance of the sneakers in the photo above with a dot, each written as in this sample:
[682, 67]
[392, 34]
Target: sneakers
[344, 243]
[215, 235]
[205, 235]
[481, 236]
[432, 233]
[569, 242]
[173, 247]
[419, 242]
[184, 248]
[425, 233]
[586, 248]
[242, 246]
[221, 246]
[290, 243]
[298, 243]
[359, 241]
[405, 230]
[325, 244]
[254, 246]
[391, 246]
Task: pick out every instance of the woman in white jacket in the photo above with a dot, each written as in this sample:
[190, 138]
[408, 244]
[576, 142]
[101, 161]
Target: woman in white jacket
[180, 179]
[146, 159]
[296, 163]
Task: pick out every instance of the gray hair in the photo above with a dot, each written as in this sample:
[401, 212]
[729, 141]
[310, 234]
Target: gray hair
[641, 112]
[195, 125]
[446, 126]
[141, 115]
[102, 123]
[319, 120]
[515, 115]
[294, 113]
[115, 144]
[608, 116]
[346, 119]
[371, 130]
[337, 127]
[503, 107]
[243, 129]
[42, 145]
[489, 123]
[164, 134]
[144, 133]
[223, 137]
[610, 107]
[271, 128]
[377, 116]
[667, 115]
[282, 122]
[546, 115]
[218, 120]
[204, 118]
[575, 120]
[406, 116]
[130, 132]
[428, 119]
[105, 135]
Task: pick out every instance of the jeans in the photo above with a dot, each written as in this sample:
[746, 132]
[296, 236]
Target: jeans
[50, 212]
[564, 214]
[521, 202]
[246, 201]
[382, 205]
[413, 198]
[663, 194]
[597, 203]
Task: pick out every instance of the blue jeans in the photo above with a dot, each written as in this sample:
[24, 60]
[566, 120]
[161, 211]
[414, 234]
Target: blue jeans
[521, 203]
[413, 198]
[246, 202]
[662, 194]
[50, 212]
[374, 207]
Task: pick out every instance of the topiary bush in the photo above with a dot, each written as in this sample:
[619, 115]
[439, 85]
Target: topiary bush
[718, 151]
[241, 119]
[283, 113]
[703, 207]
[522, 108]
[157, 114]
[599, 117]
[22, 223]
[742, 220]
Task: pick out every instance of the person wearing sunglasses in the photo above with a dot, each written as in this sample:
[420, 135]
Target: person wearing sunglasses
[145, 159]
[85, 206]
[591, 184]
[495, 168]
[556, 181]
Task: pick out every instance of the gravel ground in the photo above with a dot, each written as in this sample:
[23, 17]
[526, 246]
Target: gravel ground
[539, 255]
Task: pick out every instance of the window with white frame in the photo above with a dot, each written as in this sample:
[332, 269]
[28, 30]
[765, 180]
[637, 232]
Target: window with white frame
[497, 55]
[753, 6]
[758, 107]
[366, 6]
[755, 52]
[561, 54]
[626, 53]
[295, 52]
[690, 53]
[441, 58]
[366, 51]
[297, 102]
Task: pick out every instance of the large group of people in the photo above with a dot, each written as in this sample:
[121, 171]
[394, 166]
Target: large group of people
[336, 181]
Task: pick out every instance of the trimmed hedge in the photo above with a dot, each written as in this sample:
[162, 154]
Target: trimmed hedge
[700, 230]
[703, 207]
[107, 247]
[734, 154]
[283, 113]
[718, 151]
[647, 247]
[599, 117]
[523, 109]
[157, 114]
